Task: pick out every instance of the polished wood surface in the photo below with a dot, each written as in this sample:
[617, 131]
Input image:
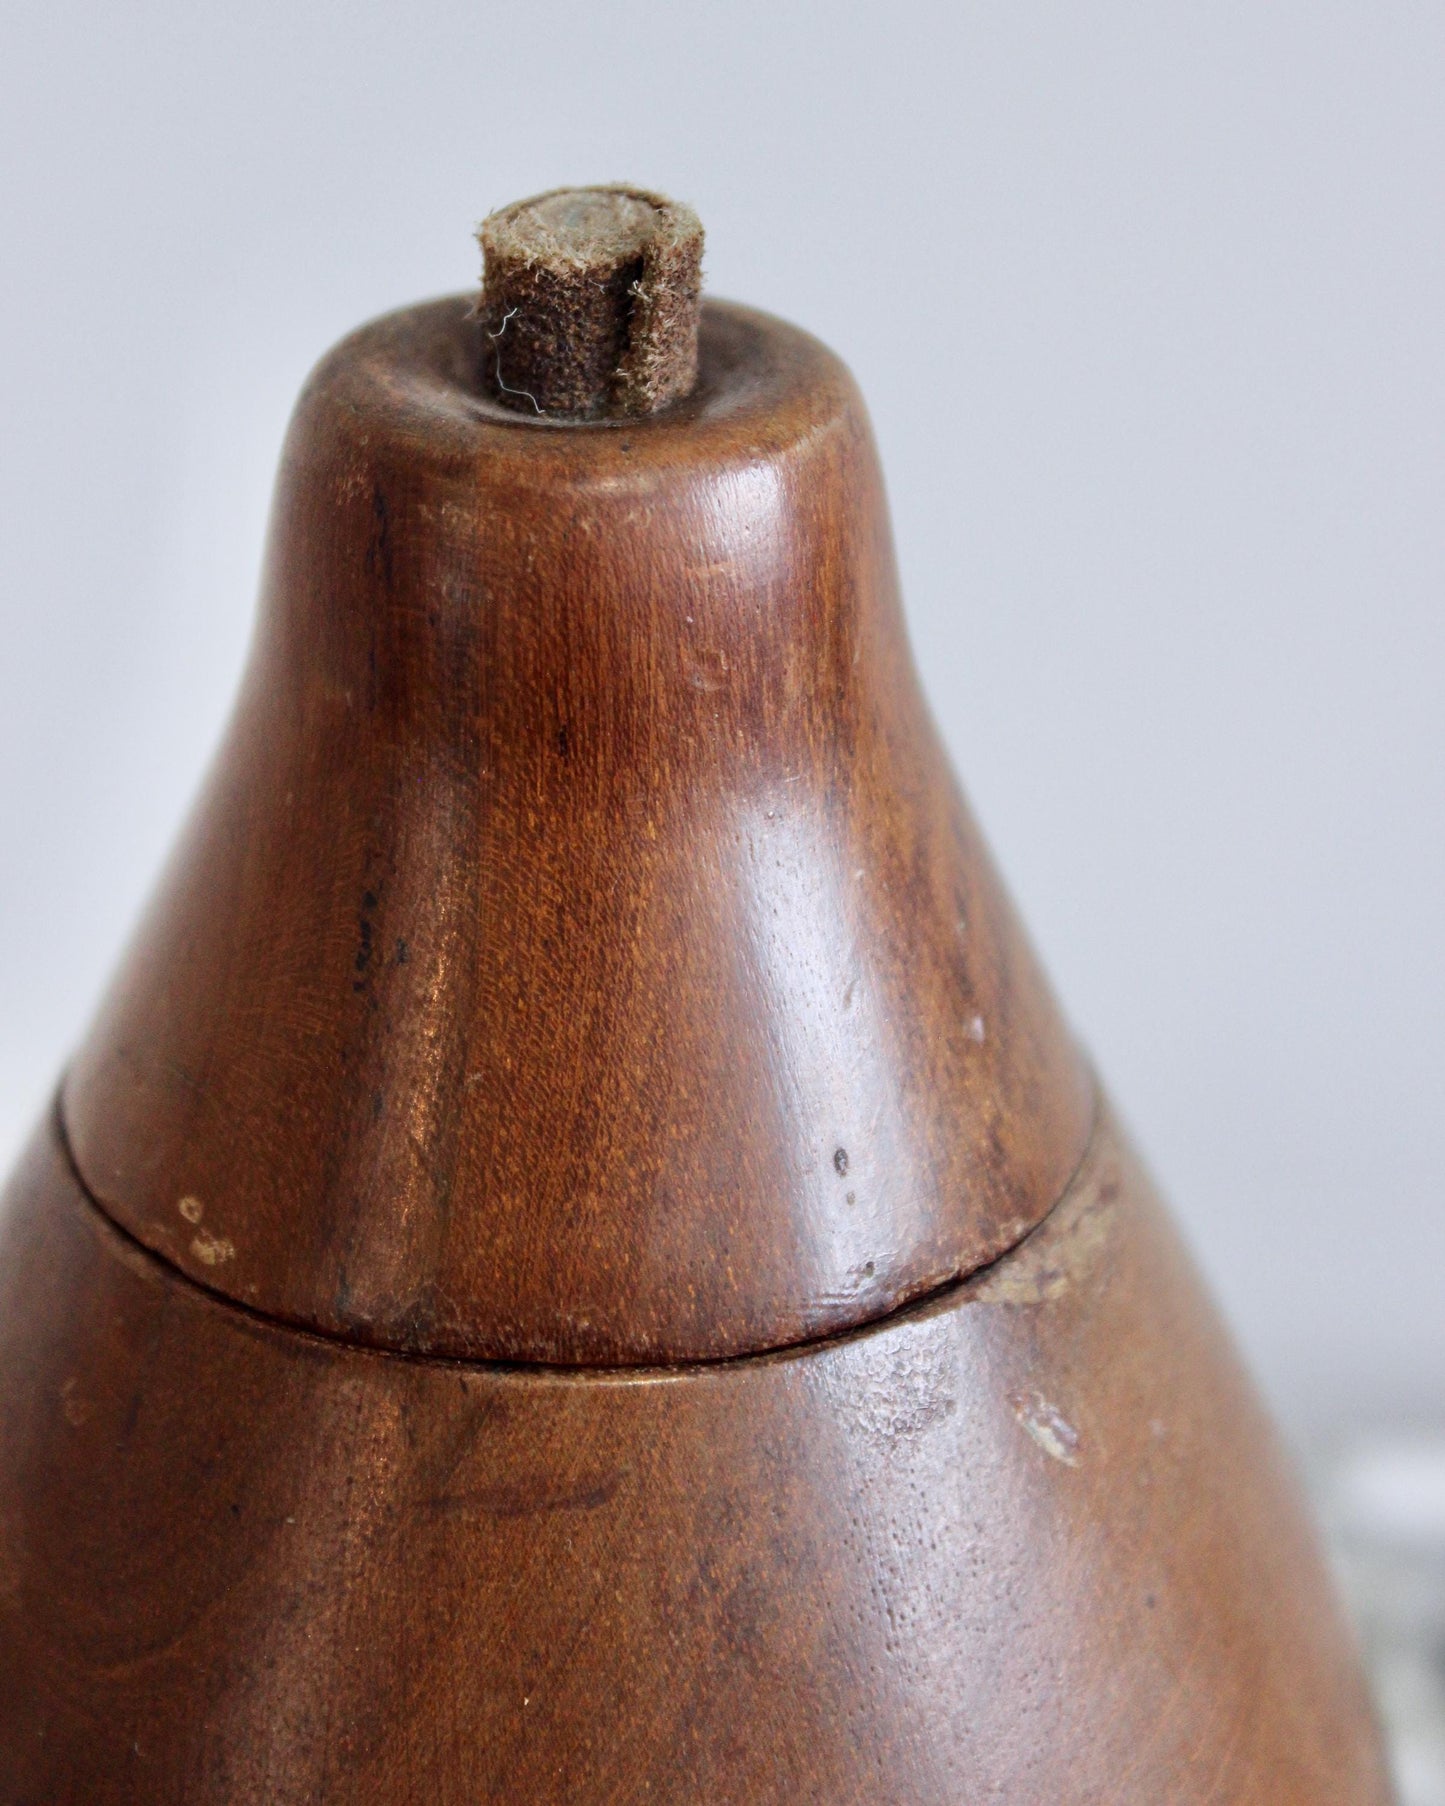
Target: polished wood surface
[1031, 1543]
[581, 951]
[579, 1262]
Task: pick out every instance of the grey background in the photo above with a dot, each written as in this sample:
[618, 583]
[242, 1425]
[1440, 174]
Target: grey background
[1148, 300]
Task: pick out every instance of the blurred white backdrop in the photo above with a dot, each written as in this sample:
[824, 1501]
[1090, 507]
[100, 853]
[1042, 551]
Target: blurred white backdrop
[1148, 301]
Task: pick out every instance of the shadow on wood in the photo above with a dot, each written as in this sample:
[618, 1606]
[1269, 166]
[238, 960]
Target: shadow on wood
[579, 1261]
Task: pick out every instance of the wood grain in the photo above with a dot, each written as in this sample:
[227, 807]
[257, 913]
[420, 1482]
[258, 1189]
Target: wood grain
[1033, 1543]
[579, 1261]
[581, 951]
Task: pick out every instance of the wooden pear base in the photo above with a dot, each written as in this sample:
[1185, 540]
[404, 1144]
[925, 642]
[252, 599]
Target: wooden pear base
[1031, 1542]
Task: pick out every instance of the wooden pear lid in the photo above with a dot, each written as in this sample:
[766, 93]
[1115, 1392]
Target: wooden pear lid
[580, 953]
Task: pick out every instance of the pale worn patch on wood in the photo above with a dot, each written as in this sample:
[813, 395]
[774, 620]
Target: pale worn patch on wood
[1071, 1242]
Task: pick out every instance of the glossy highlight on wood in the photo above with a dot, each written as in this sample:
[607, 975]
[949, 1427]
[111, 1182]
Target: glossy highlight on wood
[579, 1261]
[580, 952]
[1030, 1543]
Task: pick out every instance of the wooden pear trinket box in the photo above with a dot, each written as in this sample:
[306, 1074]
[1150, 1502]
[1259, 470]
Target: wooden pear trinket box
[579, 1261]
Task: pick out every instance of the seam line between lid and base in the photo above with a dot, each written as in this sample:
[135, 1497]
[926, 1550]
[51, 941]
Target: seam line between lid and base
[133, 1248]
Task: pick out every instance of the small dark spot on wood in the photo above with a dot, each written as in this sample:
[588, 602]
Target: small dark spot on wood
[1150, 1601]
[403, 953]
[378, 549]
[840, 1161]
[377, 1104]
[564, 743]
